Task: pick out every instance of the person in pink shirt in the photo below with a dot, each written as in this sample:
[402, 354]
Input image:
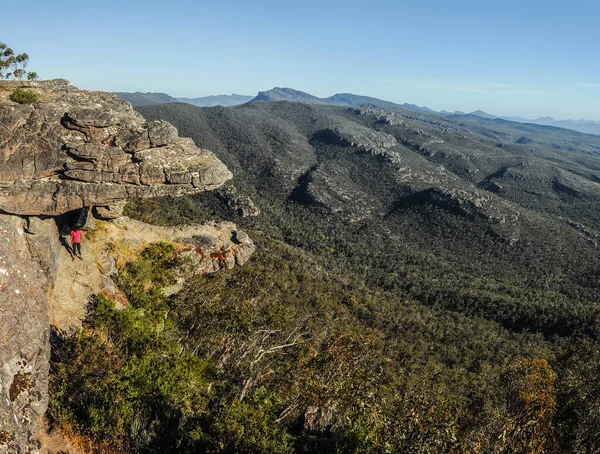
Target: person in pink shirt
[76, 242]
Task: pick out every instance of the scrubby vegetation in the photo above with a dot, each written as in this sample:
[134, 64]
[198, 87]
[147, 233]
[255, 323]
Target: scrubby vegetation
[419, 328]
[24, 96]
[232, 364]
[235, 361]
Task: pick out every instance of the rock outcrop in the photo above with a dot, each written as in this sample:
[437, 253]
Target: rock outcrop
[78, 149]
[27, 269]
[381, 116]
[319, 421]
[355, 135]
[499, 216]
[241, 204]
[332, 188]
[205, 248]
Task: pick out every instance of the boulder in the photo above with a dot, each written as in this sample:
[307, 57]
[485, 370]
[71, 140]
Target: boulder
[241, 204]
[161, 133]
[108, 212]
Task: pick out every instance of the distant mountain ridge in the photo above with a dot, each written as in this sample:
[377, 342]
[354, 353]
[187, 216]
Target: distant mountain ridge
[145, 99]
[350, 99]
[288, 94]
[339, 99]
[218, 100]
[149, 99]
[585, 126]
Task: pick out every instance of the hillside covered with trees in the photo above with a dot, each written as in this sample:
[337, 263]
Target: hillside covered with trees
[421, 284]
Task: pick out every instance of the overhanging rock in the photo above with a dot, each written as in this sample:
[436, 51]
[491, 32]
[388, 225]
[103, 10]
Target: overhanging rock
[79, 148]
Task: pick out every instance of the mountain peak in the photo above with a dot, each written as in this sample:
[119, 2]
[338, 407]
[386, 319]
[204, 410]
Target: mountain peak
[339, 99]
[482, 114]
[287, 94]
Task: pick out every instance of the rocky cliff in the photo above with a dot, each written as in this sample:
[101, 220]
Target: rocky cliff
[77, 149]
[27, 268]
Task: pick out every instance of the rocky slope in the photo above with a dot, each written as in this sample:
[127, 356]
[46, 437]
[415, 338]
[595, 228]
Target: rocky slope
[493, 199]
[77, 149]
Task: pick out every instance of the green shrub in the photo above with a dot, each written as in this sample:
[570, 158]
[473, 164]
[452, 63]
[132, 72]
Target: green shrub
[250, 426]
[24, 96]
[233, 361]
[133, 389]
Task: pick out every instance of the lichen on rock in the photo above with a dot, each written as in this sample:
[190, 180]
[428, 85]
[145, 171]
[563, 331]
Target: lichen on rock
[81, 148]
[27, 270]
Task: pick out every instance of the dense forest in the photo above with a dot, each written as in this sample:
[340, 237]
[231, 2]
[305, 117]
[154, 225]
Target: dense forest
[421, 285]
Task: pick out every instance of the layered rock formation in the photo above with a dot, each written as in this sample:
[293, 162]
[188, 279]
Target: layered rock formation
[71, 150]
[78, 148]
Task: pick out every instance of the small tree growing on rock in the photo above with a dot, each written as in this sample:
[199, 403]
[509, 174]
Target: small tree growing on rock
[13, 66]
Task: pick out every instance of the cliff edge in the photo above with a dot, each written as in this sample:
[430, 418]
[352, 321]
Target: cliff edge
[74, 150]
[79, 148]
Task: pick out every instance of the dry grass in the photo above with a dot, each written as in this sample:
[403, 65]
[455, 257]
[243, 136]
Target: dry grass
[62, 438]
[7, 87]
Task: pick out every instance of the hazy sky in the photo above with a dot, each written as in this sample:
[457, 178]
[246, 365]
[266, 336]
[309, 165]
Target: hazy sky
[508, 57]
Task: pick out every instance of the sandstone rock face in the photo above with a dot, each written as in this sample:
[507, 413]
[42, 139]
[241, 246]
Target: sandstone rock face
[27, 269]
[206, 248]
[78, 148]
[109, 212]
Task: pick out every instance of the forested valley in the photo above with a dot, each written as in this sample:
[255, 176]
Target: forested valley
[421, 284]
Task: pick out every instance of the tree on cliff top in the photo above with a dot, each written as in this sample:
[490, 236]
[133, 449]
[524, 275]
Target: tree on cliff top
[12, 65]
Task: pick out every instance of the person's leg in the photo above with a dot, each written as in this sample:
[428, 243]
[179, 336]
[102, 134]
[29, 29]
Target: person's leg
[77, 248]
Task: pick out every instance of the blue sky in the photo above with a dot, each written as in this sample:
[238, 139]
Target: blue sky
[529, 57]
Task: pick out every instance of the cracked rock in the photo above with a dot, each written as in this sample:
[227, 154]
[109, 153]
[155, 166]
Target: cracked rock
[80, 148]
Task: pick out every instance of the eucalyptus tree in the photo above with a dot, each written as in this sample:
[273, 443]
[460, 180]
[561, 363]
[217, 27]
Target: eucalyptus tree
[13, 66]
